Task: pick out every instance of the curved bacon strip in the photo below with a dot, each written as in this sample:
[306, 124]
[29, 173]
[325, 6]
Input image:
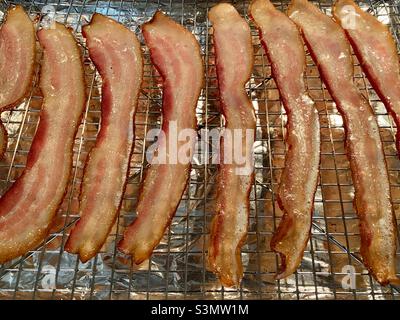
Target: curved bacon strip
[331, 51]
[17, 57]
[234, 61]
[28, 207]
[284, 47]
[376, 50]
[3, 140]
[176, 54]
[116, 52]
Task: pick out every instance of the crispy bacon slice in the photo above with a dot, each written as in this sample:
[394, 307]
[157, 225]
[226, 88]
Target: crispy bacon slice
[329, 47]
[116, 52]
[28, 207]
[284, 47]
[176, 54]
[377, 52]
[3, 140]
[17, 57]
[234, 62]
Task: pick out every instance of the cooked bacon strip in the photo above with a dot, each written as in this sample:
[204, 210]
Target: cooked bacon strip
[284, 47]
[377, 52]
[28, 207]
[17, 57]
[331, 51]
[116, 52]
[234, 61]
[176, 54]
[3, 140]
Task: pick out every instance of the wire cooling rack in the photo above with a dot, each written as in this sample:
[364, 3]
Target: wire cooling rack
[177, 268]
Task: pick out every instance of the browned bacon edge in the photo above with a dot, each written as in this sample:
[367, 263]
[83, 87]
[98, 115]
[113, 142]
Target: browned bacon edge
[156, 206]
[93, 227]
[384, 277]
[392, 101]
[22, 222]
[3, 140]
[230, 222]
[300, 175]
[17, 12]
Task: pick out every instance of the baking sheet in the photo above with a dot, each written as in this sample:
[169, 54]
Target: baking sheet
[177, 269]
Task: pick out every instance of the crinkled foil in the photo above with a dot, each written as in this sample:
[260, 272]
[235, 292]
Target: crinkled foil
[178, 267]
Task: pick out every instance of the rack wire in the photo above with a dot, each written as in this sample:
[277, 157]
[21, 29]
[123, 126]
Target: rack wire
[177, 268]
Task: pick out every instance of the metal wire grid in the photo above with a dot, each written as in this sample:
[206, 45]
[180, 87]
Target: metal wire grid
[177, 268]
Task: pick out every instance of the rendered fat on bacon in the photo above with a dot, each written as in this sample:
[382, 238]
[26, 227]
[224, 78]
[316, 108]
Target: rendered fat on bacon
[176, 54]
[17, 57]
[329, 47]
[377, 52]
[234, 62]
[284, 47]
[116, 52]
[29, 205]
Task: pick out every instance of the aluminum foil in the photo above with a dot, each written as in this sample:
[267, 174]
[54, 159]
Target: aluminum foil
[178, 267]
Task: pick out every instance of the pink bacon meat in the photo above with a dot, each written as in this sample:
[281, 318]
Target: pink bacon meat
[176, 54]
[284, 47]
[28, 207]
[376, 50]
[116, 52]
[329, 47]
[234, 62]
[17, 57]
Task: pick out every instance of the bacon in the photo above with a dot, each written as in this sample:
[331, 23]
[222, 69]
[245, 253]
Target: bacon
[17, 57]
[234, 62]
[30, 204]
[284, 48]
[116, 52]
[176, 54]
[329, 47]
[3, 140]
[377, 52]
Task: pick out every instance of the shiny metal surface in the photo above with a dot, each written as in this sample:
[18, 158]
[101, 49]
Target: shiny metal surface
[178, 267]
